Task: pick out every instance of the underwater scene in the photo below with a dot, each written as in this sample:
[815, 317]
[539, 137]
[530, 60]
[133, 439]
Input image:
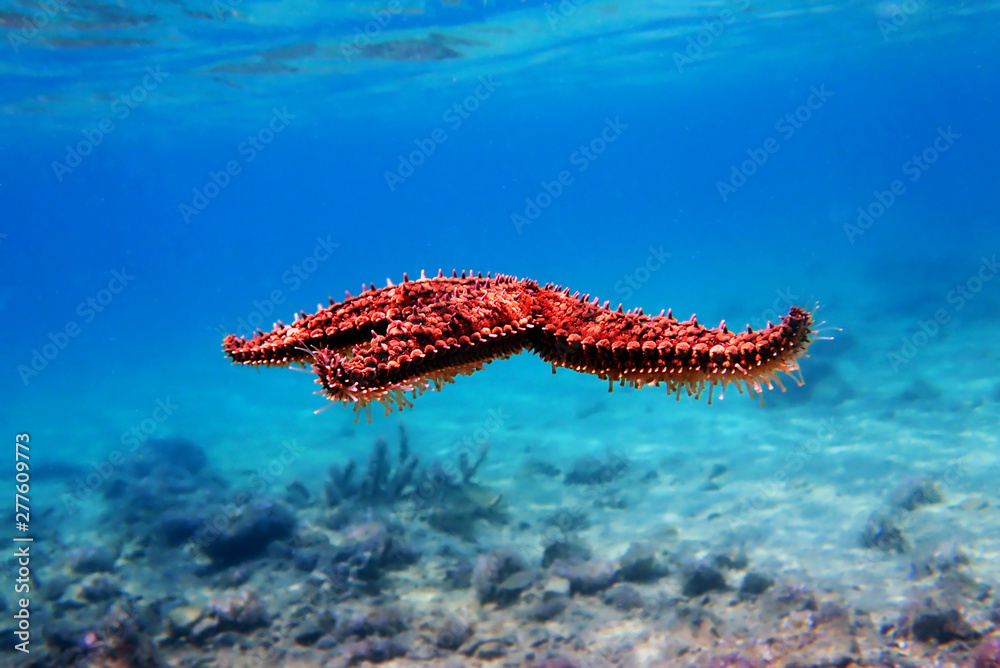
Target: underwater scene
[556, 334]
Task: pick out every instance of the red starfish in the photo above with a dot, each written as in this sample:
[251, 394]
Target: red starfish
[389, 341]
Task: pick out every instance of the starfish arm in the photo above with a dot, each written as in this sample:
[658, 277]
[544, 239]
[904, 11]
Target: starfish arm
[386, 342]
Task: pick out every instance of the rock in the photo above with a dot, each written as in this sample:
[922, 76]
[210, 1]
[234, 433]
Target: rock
[589, 578]
[370, 549]
[732, 660]
[308, 633]
[512, 587]
[940, 626]
[754, 584]
[987, 655]
[241, 611]
[169, 478]
[305, 560]
[459, 575]
[884, 532]
[639, 563]
[944, 558]
[248, 536]
[566, 548]
[338, 518]
[701, 579]
[596, 470]
[383, 622]
[178, 452]
[650, 477]
[538, 636]
[781, 600]
[52, 587]
[491, 570]
[920, 390]
[916, 492]
[174, 527]
[539, 467]
[457, 509]
[490, 650]
[99, 587]
[182, 618]
[91, 559]
[373, 650]
[828, 612]
[716, 471]
[556, 587]
[623, 597]
[452, 634]
[554, 662]
[733, 560]
[543, 611]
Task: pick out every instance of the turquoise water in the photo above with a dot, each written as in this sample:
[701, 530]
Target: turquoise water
[174, 173]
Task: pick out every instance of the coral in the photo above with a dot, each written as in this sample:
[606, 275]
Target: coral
[401, 338]
[380, 484]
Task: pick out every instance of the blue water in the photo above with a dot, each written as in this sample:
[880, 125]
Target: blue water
[269, 153]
